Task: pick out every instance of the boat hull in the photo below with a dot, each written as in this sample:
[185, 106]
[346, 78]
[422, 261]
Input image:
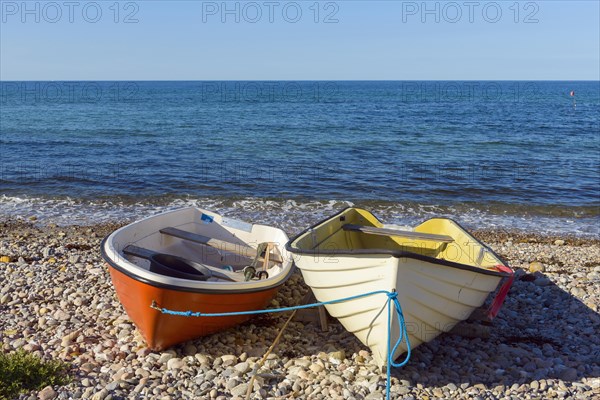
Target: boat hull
[433, 300]
[440, 272]
[161, 331]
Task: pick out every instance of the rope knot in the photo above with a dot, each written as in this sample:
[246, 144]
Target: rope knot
[392, 295]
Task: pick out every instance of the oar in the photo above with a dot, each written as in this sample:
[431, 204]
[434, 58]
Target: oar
[217, 273]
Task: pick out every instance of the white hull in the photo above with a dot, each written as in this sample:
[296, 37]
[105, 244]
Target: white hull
[434, 297]
[433, 301]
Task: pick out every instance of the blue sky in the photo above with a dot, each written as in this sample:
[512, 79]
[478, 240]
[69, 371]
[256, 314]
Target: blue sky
[271, 40]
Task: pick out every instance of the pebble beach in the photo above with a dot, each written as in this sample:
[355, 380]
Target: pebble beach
[57, 301]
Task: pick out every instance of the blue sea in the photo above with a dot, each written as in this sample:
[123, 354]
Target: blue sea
[510, 155]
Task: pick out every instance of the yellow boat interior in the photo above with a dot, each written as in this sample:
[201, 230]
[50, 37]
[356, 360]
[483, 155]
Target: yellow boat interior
[358, 231]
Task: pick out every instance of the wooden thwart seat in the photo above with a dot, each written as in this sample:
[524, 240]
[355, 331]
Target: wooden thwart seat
[140, 252]
[224, 245]
[393, 232]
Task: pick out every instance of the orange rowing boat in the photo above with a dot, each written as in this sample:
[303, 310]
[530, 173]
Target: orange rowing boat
[192, 259]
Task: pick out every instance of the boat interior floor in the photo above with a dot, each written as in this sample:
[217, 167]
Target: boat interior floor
[198, 257]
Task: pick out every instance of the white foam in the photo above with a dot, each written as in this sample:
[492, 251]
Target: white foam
[289, 214]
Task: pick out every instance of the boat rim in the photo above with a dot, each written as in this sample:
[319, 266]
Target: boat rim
[180, 288]
[396, 253]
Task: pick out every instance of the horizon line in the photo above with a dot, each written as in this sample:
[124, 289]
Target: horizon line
[300, 80]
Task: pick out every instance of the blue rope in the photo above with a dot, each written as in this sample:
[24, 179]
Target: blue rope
[392, 299]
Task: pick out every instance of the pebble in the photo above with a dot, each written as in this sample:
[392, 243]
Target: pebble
[536, 266]
[175, 363]
[67, 310]
[242, 367]
[202, 359]
[239, 390]
[542, 281]
[316, 368]
[101, 395]
[190, 349]
[47, 393]
[112, 386]
[165, 357]
[568, 374]
[228, 360]
[535, 385]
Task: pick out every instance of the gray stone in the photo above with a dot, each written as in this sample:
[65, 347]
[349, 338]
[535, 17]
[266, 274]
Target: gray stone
[542, 281]
[165, 357]
[101, 395]
[61, 315]
[112, 386]
[242, 367]
[228, 360]
[302, 363]
[568, 374]
[240, 390]
[202, 359]
[175, 363]
[190, 349]
[232, 383]
[403, 390]
[47, 393]
[577, 291]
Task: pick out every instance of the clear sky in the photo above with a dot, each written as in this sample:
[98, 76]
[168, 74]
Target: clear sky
[272, 40]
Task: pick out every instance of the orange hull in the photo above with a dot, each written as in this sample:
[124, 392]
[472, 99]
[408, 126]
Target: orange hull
[162, 330]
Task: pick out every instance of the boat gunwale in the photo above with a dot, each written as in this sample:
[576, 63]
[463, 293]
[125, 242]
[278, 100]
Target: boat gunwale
[179, 288]
[395, 253]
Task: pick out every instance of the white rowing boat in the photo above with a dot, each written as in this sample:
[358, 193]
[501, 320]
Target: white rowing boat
[440, 272]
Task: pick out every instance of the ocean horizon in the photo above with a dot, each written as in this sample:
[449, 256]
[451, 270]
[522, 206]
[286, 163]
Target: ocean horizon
[520, 155]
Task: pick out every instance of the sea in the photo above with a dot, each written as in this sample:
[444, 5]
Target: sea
[511, 155]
